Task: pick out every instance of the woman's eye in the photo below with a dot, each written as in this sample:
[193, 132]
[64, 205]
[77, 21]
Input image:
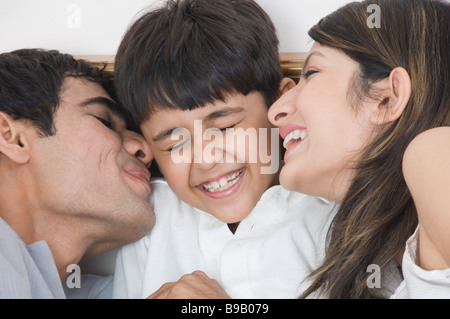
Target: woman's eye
[308, 73]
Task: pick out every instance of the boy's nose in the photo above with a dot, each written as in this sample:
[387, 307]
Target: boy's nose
[136, 145]
[207, 155]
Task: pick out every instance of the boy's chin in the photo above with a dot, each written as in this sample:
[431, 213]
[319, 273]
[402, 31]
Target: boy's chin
[230, 216]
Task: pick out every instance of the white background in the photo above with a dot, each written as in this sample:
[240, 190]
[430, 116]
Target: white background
[84, 27]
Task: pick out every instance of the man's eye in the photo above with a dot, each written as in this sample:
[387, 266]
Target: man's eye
[105, 122]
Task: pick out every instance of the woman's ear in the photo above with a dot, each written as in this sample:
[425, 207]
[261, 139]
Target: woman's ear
[285, 85]
[11, 140]
[396, 92]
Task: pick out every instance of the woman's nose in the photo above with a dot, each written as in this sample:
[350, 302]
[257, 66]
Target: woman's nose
[282, 108]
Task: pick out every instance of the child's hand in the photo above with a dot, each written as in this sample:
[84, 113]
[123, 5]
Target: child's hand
[192, 286]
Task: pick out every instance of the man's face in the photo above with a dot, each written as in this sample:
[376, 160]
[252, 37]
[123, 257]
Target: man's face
[222, 170]
[94, 170]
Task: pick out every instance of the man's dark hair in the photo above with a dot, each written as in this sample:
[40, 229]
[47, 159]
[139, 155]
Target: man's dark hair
[190, 53]
[31, 81]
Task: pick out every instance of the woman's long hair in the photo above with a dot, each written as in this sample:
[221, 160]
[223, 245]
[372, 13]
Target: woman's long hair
[378, 214]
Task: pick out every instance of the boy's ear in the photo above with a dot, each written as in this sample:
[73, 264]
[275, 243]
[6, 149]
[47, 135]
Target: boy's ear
[285, 85]
[11, 140]
[396, 94]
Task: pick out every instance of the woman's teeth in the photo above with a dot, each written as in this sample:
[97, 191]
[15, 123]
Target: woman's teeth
[293, 137]
[223, 183]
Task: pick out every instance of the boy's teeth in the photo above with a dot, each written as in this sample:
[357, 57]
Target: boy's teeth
[223, 183]
[294, 135]
[215, 185]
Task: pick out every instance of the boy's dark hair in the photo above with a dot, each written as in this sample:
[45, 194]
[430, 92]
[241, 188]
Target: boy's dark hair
[31, 81]
[189, 53]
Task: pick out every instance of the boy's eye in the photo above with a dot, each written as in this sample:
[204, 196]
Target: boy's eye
[224, 129]
[308, 73]
[178, 145]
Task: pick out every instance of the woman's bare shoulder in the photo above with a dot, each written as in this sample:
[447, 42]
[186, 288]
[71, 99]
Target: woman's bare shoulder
[426, 164]
[429, 150]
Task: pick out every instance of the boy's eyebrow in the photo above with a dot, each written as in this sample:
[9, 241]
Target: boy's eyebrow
[317, 53]
[110, 104]
[223, 112]
[210, 117]
[164, 134]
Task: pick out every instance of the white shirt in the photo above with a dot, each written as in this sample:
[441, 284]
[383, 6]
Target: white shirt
[419, 283]
[27, 271]
[274, 248]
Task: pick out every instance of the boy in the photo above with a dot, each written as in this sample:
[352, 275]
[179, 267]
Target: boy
[197, 77]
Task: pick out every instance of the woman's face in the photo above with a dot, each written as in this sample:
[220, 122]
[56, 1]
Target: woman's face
[323, 132]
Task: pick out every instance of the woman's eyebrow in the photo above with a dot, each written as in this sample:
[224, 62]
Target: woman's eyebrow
[314, 53]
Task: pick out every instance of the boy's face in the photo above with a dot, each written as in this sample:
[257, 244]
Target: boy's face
[216, 170]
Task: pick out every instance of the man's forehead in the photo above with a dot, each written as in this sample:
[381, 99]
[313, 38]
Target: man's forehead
[83, 92]
[79, 89]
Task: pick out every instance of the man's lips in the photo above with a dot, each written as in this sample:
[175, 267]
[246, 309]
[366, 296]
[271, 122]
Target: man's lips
[139, 173]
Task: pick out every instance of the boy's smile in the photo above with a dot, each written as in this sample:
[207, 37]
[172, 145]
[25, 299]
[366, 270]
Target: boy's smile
[224, 181]
[223, 185]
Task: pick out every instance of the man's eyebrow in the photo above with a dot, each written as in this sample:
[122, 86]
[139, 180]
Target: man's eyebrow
[317, 53]
[110, 104]
[223, 112]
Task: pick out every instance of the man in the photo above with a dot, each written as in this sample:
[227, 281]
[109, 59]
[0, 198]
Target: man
[74, 181]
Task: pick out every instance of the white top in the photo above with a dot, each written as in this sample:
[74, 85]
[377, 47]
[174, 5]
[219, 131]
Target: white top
[419, 283]
[273, 250]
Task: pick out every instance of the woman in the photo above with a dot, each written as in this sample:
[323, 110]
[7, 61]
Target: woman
[365, 94]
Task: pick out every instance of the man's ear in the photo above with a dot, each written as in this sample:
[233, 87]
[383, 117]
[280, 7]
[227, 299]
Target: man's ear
[285, 85]
[396, 92]
[12, 143]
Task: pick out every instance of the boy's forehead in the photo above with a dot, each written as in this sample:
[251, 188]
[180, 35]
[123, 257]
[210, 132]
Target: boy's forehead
[234, 104]
[205, 113]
